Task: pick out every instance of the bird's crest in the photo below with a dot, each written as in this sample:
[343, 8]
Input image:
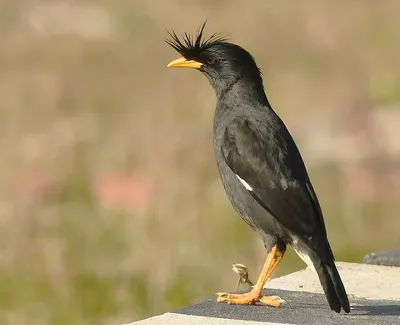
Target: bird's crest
[190, 46]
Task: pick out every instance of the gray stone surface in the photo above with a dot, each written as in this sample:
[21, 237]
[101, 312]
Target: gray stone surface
[360, 280]
[303, 308]
[387, 258]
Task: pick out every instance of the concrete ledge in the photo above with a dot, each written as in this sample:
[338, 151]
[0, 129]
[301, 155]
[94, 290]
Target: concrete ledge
[374, 293]
[180, 319]
[360, 280]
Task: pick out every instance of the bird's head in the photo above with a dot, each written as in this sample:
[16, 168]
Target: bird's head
[223, 63]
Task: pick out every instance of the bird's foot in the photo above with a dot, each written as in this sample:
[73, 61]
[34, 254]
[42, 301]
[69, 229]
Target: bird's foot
[250, 298]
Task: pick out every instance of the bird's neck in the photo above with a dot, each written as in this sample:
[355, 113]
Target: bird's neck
[243, 90]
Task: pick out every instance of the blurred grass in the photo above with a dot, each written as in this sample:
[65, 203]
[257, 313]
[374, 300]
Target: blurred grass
[76, 108]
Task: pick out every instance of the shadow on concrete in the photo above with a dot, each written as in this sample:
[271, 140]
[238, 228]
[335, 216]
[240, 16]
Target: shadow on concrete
[378, 310]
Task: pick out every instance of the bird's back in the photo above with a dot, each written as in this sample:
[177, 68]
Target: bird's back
[284, 167]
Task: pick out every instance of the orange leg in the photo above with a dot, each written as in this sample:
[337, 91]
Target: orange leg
[255, 295]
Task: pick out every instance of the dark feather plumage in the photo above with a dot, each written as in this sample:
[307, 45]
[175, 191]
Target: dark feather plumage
[260, 165]
[191, 46]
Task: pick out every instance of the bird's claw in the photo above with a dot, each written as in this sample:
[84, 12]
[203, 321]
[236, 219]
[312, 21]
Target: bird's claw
[223, 297]
[222, 294]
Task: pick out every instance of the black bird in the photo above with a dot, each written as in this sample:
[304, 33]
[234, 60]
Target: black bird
[260, 166]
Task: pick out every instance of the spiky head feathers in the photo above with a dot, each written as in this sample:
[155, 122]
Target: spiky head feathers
[192, 46]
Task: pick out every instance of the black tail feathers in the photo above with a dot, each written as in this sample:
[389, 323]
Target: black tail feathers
[332, 284]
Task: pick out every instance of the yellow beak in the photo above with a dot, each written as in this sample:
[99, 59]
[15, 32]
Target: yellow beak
[184, 63]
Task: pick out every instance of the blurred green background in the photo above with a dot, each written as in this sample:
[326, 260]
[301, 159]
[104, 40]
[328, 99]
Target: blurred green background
[111, 208]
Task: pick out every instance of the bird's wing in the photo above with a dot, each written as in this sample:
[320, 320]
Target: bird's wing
[273, 171]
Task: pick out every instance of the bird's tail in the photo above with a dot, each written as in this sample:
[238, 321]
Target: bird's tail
[332, 284]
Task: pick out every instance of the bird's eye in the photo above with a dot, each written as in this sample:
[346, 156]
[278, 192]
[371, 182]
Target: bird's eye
[211, 60]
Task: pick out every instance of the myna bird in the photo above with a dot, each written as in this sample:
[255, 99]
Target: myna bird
[261, 168]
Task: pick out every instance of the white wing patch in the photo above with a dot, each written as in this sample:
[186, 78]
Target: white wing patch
[302, 253]
[306, 259]
[245, 184]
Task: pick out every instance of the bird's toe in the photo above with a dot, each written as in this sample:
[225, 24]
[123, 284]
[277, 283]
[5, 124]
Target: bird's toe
[273, 301]
[227, 297]
[250, 298]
